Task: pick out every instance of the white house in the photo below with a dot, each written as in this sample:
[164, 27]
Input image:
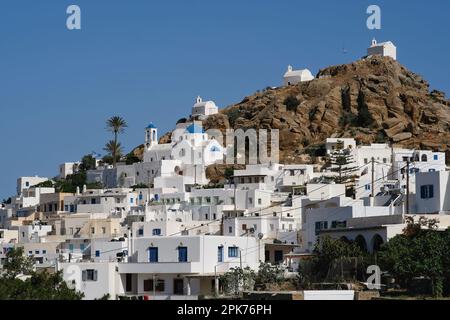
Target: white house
[165, 267]
[296, 76]
[432, 192]
[67, 168]
[385, 49]
[24, 183]
[204, 108]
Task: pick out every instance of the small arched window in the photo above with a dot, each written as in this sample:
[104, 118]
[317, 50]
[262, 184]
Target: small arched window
[424, 158]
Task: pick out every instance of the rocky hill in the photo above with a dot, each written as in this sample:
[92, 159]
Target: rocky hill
[375, 99]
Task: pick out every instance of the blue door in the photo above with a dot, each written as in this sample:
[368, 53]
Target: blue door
[182, 254]
[220, 254]
[153, 255]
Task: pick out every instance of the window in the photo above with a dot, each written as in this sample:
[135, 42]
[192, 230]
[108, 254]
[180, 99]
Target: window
[97, 253]
[156, 232]
[141, 232]
[338, 224]
[427, 191]
[321, 225]
[220, 254]
[129, 284]
[182, 254]
[424, 158]
[435, 157]
[250, 200]
[92, 230]
[230, 229]
[131, 200]
[27, 184]
[148, 285]
[278, 256]
[384, 160]
[366, 161]
[367, 186]
[71, 247]
[153, 255]
[259, 201]
[233, 252]
[89, 275]
[93, 201]
[103, 230]
[36, 252]
[44, 251]
[82, 247]
[244, 227]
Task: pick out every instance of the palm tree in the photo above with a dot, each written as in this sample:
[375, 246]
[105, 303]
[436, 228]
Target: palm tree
[116, 125]
[114, 149]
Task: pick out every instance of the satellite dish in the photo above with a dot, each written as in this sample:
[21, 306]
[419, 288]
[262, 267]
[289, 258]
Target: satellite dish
[260, 235]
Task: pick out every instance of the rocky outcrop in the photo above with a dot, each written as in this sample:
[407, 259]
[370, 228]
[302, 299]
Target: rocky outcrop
[373, 100]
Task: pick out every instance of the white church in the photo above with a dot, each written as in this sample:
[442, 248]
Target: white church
[292, 76]
[182, 161]
[204, 108]
[385, 49]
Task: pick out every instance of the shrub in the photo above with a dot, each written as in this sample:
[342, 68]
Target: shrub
[291, 103]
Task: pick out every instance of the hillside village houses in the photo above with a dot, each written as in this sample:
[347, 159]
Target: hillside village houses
[159, 228]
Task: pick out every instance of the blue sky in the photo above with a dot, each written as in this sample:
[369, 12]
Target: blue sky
[148, 60]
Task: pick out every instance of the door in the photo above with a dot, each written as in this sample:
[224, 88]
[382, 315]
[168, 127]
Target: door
[182, 254]
[153, 255]
[178, 287]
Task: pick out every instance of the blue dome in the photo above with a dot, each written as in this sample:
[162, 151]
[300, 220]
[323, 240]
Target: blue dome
[151, 126]
[193, 128]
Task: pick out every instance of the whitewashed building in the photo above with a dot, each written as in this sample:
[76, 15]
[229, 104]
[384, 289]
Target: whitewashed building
[385, 49]
[204, 108]
[292, 76]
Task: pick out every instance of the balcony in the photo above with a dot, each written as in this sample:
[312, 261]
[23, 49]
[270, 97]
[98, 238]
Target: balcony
[161, 267]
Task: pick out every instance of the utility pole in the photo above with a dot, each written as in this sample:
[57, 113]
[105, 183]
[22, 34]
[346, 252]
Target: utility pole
[373, 177]
[407, 186]
[240, 258]
[235, 206]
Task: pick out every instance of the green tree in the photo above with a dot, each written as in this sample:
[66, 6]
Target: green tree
[37, 286]
[16, 263]
[268, 274]
[421, 251]
[328, 250]
[114, 149]
[341, 162]
[131, 158]
[116, 125]
[45, 184]
[237, 280]
[88, 162]
[229, 173]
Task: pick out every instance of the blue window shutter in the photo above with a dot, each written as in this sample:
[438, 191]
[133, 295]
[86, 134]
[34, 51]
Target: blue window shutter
[97, 253]
[220, 254]
[431, 191]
